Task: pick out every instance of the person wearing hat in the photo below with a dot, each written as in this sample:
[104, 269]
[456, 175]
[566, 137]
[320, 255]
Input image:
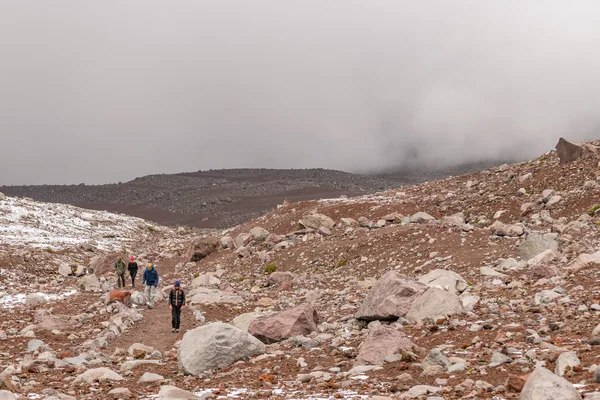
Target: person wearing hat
[133, 270]
[150, 279]
[120, 271]
[176, 304]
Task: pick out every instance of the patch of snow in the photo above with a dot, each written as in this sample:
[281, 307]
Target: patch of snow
[58, 226]
[9, 301]
[291, 395]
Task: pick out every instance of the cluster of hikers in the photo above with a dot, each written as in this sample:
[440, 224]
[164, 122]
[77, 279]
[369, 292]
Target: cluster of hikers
[150, 283]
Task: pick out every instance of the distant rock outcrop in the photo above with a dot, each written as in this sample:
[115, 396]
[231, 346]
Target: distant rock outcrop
[570, 151]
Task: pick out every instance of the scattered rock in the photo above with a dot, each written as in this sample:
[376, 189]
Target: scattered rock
[300, 320]
[390, 298]
[202, 248]
[444, 280]
[381, 342]
[434, 303]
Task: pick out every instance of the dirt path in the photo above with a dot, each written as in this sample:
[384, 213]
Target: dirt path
[155, 329]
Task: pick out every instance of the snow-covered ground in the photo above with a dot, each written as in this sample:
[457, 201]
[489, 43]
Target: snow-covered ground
[9, 301]
[291, 394]
[58, 226]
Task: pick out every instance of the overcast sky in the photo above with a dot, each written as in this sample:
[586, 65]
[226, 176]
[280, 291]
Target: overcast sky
[105, 91]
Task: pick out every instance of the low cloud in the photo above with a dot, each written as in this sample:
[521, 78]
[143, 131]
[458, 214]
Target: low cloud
[108, 91]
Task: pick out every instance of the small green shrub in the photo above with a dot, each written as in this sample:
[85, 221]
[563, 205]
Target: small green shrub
[341, 263]
[49, 250]
[151, 228]
[593, 210]
[197, 274]
[270, 268]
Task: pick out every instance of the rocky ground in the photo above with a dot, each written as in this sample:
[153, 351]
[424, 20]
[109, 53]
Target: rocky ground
[482, 286]
[223, 198]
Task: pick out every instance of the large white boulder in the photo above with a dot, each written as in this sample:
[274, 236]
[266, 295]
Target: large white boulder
[544, 385]
[216, 345]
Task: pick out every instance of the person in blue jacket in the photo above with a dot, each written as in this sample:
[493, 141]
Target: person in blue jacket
[151, 281]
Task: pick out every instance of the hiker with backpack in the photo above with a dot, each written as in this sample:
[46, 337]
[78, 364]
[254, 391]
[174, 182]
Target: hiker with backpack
[133, 270]
[120, 271]
[176, 304]
[150, 279]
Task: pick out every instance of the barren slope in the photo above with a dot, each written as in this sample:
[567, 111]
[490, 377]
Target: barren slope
[514, 310]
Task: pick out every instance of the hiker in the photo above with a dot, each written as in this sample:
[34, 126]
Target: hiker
[176, 304]
[150, 279]
[120, 271]
[133, 269]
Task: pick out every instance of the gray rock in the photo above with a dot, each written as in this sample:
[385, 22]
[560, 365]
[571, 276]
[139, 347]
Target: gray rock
[543, 384]
[204, 295]
[5, 394]
[361, 369]
[434, 303]
[315, 221]
[390, 298]
[216, 345]
[543, 258]
[139, 298]
[445, 280]
[64, 270]
[420, 218]
[545, 297]
[35, 344]
[435, 357]
[500, 229]
[382, 342]
[90, 283]
[243, 321]
[120, 393]
[35, 300]
[168, 392]
[259, 233]
[206, 280]
[129, 365]
[138, 348]
[417, 392]
[499, 359]
[535, 243]
[566, 361]
[150, 377]
[98, 375]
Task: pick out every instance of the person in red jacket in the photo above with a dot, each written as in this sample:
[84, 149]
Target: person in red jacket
[176, 304]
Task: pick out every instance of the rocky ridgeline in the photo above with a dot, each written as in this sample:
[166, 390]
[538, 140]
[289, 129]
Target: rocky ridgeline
[482, 286]
[207, 199]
